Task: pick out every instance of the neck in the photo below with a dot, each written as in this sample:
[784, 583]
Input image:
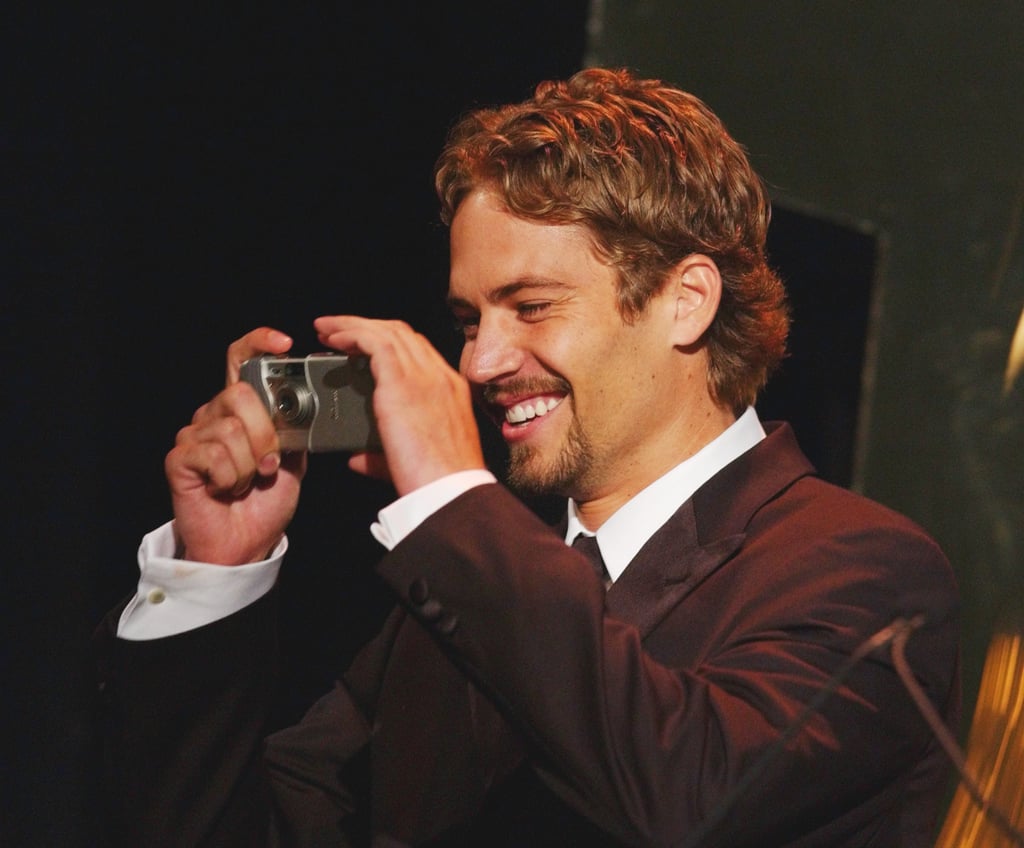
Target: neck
[601, 502]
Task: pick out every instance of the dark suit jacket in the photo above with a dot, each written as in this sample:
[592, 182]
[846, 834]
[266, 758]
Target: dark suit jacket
[510, 701]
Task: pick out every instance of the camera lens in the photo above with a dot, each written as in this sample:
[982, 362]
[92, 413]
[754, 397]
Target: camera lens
[294, 403]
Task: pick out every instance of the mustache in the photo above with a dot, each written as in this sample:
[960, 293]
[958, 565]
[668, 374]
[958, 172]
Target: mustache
[492, 393]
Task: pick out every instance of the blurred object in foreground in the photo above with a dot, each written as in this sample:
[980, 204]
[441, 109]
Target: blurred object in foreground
[1016, 359]
[995, 752]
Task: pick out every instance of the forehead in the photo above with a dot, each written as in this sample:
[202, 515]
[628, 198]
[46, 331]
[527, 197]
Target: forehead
[492, 247]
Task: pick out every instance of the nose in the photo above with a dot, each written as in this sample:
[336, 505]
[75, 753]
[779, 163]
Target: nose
[492, 353]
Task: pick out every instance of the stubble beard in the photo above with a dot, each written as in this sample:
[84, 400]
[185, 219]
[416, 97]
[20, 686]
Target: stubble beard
[529, 475]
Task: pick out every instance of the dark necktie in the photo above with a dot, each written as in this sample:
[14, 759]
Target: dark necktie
[587, 545]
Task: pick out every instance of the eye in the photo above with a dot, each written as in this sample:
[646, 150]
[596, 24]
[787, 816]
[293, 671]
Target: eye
[466, 324]
[532, 310]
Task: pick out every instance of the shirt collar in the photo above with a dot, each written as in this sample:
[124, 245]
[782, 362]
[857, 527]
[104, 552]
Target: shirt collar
[629, 528]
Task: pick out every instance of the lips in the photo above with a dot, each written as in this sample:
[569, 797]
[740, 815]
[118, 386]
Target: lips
[527, 410]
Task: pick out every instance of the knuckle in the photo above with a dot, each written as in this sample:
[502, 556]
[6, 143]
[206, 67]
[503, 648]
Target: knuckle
[231, 427]
[217, 459]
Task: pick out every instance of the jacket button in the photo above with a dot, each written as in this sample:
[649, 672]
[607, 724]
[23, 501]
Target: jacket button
[419, 591]
[431, 609]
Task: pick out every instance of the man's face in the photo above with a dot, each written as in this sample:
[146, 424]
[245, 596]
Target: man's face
[585, 401]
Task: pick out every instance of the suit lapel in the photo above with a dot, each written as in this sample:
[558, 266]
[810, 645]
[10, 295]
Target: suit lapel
[674, 561]
[666, 570]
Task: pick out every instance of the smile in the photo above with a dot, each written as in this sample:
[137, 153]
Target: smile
[531, 409]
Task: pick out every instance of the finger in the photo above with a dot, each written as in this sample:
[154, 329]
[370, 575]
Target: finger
[389, 344]
[327, 324]
[218, 453]
[355, 333]
[253, 343]
[195, 463]
[341, 332]
[370, 465]
[239, 414]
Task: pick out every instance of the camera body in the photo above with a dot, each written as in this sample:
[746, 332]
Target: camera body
[321, 402]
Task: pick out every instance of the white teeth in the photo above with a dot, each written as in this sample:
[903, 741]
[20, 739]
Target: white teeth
[525, 411]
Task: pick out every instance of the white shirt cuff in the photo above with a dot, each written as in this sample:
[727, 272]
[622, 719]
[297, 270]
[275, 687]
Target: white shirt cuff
[175, 595]
[399, 519]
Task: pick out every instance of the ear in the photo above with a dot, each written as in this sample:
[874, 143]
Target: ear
[695, 286]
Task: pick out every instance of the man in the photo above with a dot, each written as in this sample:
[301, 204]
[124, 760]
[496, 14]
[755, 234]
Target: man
[619, 317]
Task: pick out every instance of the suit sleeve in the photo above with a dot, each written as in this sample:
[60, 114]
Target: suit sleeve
[187, 762]
[647, 733]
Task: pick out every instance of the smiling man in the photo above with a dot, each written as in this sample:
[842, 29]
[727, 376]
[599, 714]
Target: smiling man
[539, 308]
[619, 317]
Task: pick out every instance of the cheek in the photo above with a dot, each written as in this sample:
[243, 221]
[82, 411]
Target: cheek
[627, 371]
[577, 345]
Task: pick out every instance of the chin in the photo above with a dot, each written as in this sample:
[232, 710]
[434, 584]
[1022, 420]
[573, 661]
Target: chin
[530, 473]
[525, 471]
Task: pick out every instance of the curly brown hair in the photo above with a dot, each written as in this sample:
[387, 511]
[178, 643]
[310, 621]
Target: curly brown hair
[654, 176]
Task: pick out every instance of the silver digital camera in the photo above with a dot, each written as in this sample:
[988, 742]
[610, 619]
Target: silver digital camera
[321, 402]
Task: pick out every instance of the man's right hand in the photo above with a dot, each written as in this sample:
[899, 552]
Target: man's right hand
[233, 491]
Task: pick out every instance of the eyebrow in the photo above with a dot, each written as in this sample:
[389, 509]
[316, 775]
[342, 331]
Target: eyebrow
[500, 293]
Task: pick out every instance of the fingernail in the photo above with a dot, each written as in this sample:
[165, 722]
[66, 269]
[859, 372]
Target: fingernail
[270, 463]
